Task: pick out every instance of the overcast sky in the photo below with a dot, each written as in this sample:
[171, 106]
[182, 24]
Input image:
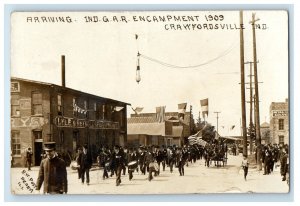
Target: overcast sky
[101, 58]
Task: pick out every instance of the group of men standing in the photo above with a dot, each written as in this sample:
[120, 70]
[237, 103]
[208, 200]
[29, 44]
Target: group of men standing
[273, 153]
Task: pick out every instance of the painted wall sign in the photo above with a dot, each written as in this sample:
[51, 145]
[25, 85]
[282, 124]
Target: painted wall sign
[82, 123]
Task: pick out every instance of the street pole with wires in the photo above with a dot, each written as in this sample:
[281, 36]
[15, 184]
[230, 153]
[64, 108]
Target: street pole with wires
[243, 101]
[257, 121]
[218, 126]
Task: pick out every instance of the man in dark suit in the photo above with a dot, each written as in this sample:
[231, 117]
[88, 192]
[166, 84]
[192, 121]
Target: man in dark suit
[85, 162]
[52, 173]
[29, 158]
[119, 162]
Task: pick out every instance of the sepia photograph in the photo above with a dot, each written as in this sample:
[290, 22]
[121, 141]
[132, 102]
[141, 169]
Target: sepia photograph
[149, 102]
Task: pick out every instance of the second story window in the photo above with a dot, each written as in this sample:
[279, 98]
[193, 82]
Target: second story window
[281, 124]
[59, 105]
[37, 103]
[15, 105]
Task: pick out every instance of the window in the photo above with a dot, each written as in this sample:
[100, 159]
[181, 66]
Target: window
[15, 143]
[59, 105]
[281, 124]
[281, 140]
[37, 134]
[36, 103]
[85, 105]
[15, 105]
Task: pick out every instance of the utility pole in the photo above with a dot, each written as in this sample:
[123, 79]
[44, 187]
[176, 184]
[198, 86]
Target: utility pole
[191, 119]
[251, 107]
[257, 125]
[243, 101]
[217, 124]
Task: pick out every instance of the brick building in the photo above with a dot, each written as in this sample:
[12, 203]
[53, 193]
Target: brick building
[42, 112]
[279, 122]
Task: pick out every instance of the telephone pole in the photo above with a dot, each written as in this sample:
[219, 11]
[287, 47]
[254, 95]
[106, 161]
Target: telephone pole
[243, 101]
[257, 122]
[251, 108]
[218, 125]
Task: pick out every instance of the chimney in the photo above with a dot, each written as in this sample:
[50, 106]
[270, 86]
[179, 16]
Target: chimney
[63, 80]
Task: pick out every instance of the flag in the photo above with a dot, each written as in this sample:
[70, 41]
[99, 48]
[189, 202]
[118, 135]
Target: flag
[217, 135]
[182, 108]
[160, 113]
[201, 142]
[204, 107]
[232, 127]
[192, 140]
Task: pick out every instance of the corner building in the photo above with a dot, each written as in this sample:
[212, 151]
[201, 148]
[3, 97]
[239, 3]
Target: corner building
[42, 112]
[279, 122]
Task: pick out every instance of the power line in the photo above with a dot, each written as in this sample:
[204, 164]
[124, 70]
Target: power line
[187, 67]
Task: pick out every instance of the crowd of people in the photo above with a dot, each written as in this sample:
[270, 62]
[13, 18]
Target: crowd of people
[146, 160]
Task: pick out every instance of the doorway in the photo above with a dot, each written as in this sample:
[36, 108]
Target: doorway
[38, 149]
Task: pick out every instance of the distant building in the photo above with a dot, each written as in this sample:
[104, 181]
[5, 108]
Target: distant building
[145, 129]
[279, 122]
[265, 133]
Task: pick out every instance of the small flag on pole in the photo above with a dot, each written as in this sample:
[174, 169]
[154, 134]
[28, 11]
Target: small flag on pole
[204, 107]
[182, 108]
[160, 113]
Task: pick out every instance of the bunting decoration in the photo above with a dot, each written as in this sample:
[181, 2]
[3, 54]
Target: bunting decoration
[118, 108]
[137, 110]
[78, 109]
[204, 107]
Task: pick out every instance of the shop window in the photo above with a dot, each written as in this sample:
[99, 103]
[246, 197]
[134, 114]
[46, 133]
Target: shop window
[281, 124]
[281, 140]
[15, 105]
[59, 105]
[37, 103]
[16, 143]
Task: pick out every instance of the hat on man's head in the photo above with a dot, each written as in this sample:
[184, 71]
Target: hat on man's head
[85, 146]
[117, 147]
[49, 146]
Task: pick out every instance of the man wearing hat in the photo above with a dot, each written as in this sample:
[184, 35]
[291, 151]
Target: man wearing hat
[118, 161]
[85, 162]
[29, 158]
[52, 173]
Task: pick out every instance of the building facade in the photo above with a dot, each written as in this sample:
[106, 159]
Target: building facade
[146, 129]
[42, 112]
[279, 122]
